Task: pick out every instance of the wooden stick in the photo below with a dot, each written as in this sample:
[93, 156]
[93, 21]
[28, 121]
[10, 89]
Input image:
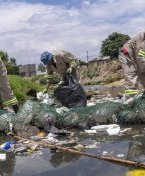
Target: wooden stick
[105, 158]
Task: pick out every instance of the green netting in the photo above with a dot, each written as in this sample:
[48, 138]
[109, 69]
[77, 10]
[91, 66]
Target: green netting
[100, 113]
[134, 112]
[38, 114]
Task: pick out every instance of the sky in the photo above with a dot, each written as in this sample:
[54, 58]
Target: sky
[29, 27]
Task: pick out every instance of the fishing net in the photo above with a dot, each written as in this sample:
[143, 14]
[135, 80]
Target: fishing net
[40, 114]
[133, 112]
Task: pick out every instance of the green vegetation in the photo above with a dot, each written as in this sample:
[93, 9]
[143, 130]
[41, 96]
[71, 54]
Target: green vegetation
[93, 72]
[111, 79]
[21, 85]
[42, 79]
[10, 63]
[111, 45]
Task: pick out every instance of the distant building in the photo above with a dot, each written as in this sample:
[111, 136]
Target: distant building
[100, 61]
[27, 70]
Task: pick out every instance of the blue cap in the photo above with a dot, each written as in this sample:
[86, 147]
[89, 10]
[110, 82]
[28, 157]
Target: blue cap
[46, 57]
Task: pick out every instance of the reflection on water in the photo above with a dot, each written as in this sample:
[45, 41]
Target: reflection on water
[59, 158]
[7, 167]
[55, 163]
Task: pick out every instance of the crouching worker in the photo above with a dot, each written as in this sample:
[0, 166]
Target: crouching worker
[132, 58]
[61, 62]
[70, 92]
[7, 97]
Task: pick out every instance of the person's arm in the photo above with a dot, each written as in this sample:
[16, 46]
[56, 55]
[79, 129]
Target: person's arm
[48, 76]
[71, 60]
[130, 46]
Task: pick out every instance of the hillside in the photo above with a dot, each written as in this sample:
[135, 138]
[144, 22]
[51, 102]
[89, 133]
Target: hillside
[106, 74]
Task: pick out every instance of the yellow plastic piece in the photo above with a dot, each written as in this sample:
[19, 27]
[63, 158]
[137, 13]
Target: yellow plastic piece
[136, 172]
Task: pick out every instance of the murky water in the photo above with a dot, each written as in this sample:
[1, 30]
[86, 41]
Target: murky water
[65, 164]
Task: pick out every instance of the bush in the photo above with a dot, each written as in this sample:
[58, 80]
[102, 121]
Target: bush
[20, 86]
[92, 73]
[43, 81]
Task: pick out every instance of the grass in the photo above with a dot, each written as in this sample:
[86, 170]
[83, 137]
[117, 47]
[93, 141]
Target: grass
[21, 85]
[110, 79]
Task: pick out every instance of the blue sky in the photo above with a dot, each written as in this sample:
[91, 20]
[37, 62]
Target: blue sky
[29, 27]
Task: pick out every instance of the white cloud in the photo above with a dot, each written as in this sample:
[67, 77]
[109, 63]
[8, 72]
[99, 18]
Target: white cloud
[28, 29]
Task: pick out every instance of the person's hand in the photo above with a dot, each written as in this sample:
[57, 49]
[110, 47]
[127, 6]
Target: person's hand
[44, 91]
[15, 108]
[69, 70]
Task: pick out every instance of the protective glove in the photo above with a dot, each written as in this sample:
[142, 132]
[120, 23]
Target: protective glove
[15, 108]
[69, 70]
[125, 51]
[61, 83]
[131, 92]
[44, 91]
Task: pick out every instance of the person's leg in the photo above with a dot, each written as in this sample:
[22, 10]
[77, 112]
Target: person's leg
[130, 72]
[7, 96]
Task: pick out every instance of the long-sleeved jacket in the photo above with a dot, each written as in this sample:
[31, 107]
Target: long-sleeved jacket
[63, 60]
[136, 46]
[6, 94]
[132, 58]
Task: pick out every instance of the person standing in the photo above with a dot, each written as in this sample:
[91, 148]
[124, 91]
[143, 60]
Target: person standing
[132, 58]
[7, 97]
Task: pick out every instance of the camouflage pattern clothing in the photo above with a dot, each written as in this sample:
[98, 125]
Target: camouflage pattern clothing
[62, 61]
[132, 58]
[6, 94]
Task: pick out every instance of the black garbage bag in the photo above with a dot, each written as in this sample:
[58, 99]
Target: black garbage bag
[71, 93]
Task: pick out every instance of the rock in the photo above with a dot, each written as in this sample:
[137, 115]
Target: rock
[25, 131]
[36, 138]
[32, 147]
[78, 147]
[62, 133]
[67, 143]
[21, 149]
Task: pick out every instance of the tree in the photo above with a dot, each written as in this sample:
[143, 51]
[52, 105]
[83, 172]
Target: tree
[41, 67]
[13, 61]
[111, 45]
[81, 63]
[10, 64]
[4, 56]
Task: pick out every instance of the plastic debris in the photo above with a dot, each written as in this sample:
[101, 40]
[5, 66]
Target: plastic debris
[51, 138]
[104, 153]
[61, 110]
[136, 172]
[36, 138]
[90, 146]
[42, 134]
[120, 155]
[2, 157]
[71, 94]
[7, 145]
[20, 149]
[91, 131]
[45, 98]
[112, 129]
[126, 130]
[78, 147]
